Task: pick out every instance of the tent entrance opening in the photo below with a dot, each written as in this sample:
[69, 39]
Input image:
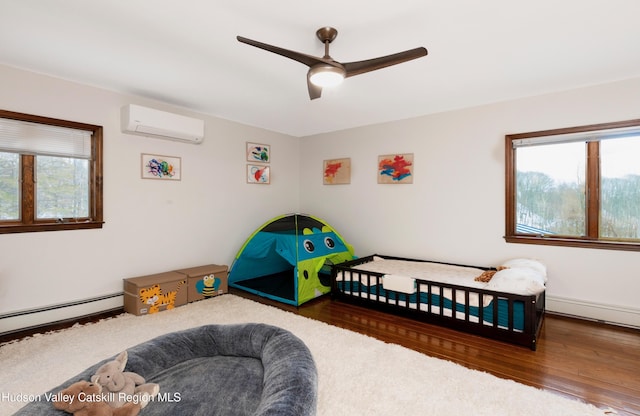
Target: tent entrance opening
[279, 284]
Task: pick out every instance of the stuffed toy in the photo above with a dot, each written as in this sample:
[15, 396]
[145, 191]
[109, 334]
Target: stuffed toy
[125, 386]
[485, 276]
[488, 274]
[85, 399]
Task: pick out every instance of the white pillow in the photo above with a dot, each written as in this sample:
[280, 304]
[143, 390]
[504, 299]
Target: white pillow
[521, 281]
[528, 264]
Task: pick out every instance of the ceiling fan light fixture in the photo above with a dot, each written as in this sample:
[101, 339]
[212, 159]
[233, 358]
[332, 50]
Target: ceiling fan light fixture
[326, 76]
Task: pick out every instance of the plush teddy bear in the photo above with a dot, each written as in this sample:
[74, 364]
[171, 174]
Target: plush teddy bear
[126, 386]
[85, 399]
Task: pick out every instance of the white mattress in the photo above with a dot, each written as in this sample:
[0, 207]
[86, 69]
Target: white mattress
[519, 280]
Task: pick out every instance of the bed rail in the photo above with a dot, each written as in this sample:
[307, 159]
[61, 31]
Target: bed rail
[445, 304]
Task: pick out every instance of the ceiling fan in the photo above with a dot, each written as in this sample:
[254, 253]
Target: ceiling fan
[325, 72]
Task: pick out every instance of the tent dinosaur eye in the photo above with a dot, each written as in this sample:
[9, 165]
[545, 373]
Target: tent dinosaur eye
[328, 241]
[308, 245]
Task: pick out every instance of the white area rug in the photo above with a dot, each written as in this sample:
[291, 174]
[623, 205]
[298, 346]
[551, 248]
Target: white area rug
[358, 375]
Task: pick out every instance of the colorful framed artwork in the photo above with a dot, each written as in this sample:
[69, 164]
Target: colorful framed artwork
[336, 171]
[258, 153]
[161, 167]
[395, 168]
[260, 174]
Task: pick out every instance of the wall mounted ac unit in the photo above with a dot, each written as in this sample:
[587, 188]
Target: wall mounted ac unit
[144, 121]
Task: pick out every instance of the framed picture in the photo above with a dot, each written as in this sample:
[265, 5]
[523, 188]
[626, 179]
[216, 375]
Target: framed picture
[161, 167]
[260, 153]
[395, 168]
[260, 174]
[336, 171]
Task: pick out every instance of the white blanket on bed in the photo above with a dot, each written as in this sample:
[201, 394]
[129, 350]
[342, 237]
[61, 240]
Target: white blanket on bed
[435, 272]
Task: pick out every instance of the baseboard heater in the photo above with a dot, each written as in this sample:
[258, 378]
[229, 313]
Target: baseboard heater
[609, 314]
[49, 315]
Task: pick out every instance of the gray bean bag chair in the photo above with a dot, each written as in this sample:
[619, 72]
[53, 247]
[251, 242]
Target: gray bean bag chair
[249, 369]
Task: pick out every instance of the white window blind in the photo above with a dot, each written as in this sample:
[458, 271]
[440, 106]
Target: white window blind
[43, 139]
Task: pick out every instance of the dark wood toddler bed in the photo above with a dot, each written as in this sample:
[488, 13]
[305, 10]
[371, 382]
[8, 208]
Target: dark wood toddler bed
[479, 308]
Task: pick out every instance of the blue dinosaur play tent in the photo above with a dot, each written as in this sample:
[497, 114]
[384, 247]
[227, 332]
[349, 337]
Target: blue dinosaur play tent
[288, 259]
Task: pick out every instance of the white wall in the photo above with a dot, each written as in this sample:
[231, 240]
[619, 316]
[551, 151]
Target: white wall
[454, 210]
[150, 226]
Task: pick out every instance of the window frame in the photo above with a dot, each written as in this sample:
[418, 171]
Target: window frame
[28, 222]
[592, 203]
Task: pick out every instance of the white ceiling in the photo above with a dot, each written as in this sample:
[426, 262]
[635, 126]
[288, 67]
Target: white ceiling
[185, 53]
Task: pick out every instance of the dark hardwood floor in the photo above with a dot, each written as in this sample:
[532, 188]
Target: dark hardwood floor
[590, 361]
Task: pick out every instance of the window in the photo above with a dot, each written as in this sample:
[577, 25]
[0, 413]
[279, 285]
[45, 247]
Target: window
[575, 187]
[50, 174]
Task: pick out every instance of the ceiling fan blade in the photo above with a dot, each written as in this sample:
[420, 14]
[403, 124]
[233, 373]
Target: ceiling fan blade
[314, 90]
[308, 60]
[360, 67]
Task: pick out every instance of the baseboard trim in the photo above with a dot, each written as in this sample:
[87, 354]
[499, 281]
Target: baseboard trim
[610, 314]
[53, 314]
[48, 317]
